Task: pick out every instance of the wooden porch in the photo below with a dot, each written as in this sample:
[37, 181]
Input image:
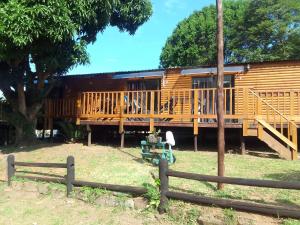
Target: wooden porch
[276, 112]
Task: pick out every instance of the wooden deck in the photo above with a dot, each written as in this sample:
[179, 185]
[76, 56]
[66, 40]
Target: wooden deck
[275, 111]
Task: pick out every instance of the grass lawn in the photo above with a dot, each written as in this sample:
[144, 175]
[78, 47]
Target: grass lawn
[110, 165]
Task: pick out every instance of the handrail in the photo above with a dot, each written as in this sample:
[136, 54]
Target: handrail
[290, 138]
[269, 105]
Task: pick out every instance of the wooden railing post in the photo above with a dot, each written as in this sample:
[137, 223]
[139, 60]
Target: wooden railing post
[152, 111]
[292, 99]
[295, 142]
[196, 129]
[121, 124]
[70, 174]
[259, 114]
[164, 185]
[78, 108]
[245, 111]
[10, 168]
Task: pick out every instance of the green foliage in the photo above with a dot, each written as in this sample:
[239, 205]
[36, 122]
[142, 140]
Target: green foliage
[184, 216]
[71, 131]
[261, 30]
[153, 194]
[91, 194]
[291, 222]
[40, 40]
[230, 217]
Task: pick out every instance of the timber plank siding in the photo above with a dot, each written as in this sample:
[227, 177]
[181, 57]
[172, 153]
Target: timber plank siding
[278, 83]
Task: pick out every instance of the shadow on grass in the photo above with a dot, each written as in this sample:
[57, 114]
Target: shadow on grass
[32, 147]
[293, 176]
[39, 173]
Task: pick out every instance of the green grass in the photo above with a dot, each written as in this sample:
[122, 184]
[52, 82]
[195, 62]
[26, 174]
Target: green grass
[110, 165]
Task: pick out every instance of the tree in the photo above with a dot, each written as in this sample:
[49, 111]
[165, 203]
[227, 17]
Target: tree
[261, 30]
[40, 40]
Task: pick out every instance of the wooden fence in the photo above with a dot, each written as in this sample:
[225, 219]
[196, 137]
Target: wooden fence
[165, 193]
[165, 173]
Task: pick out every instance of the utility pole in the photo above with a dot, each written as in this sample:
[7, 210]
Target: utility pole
[220, 90]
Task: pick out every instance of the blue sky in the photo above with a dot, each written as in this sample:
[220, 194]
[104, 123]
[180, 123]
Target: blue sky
[115, 51]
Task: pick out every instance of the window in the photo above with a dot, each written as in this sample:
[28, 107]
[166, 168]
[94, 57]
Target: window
[139, 85]
[211, 82]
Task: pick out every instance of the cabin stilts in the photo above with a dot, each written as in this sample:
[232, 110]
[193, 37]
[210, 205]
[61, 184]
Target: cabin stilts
[243, 144]
[122, 139]
[89, 135]
[195, 142]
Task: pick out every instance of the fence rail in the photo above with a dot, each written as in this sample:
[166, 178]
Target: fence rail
[165, 193]
[165, 173]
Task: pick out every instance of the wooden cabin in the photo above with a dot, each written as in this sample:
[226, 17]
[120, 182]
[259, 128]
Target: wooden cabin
[261, 99]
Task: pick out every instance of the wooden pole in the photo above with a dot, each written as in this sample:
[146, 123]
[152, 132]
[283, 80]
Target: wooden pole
[164, 185]
[70, 174]
[10, 168]
[220, 82]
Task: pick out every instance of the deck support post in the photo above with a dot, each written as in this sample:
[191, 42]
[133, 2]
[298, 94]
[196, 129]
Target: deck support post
[122, 139]
[243, 144]
[195, 142]
[89, 137]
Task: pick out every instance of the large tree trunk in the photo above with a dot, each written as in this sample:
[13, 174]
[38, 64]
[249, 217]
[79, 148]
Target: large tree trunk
[25, 132]
[24, 118]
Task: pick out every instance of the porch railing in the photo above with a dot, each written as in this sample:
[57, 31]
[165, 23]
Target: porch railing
[183, 104]
[176, 104]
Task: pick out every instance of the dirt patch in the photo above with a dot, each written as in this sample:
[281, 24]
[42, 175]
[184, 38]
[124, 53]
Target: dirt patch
[28, 206]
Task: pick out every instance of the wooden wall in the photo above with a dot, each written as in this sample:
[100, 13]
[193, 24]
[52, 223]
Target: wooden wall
[278, 83]
[92, 84]
[268, 76]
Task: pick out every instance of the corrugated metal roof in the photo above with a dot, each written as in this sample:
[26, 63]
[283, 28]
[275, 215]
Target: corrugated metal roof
[159, 73]
[213, 70]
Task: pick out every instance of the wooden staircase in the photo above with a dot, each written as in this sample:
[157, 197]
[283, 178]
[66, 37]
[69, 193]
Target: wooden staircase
[271, 127]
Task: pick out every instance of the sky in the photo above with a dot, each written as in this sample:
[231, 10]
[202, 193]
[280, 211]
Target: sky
[116, 51]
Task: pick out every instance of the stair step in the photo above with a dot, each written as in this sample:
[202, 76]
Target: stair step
[277, 146]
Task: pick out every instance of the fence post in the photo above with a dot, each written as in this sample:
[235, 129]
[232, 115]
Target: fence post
[10, 168]
[164, 185]
[70, 174]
